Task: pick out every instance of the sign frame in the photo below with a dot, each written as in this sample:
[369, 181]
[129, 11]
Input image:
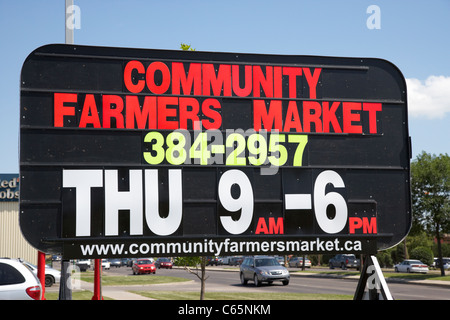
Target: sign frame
[326, 157]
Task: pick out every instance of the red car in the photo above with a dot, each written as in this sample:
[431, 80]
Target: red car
[142, 266]
[163, 263]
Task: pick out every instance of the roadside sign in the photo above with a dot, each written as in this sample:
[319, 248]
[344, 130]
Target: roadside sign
[136, 152]
[9, 187]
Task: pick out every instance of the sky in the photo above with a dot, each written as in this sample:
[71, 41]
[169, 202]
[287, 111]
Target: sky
[411, 34]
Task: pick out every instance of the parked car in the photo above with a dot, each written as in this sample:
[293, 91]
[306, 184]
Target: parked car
[261, 269]
[106, 264]
[280, 260]
[212, 261]
[51, 275]
[117, 263]
[163, 263]
[446, 263]
[131, 262]
[17, 281]
[126, 262]
[297, 262]
[344, 261]
[83, 264]
[411, 266]
[235, 261]
[142, 266]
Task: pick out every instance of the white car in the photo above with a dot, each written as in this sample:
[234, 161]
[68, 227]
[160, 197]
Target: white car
[411, 266]
[17, 281]
[446, 263]
[51, 275]
[298, 262]
[106, 264]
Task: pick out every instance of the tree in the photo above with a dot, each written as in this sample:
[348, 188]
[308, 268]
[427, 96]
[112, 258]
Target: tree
[430, 189]
[424, 254]
[186, 47]
[419, 239]
[384, 258]
[192, 264]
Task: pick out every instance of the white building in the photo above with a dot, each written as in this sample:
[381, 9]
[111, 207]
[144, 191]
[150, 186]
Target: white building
[12, 242]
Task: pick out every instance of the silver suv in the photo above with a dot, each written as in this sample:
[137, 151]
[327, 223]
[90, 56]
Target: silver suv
[263, 269]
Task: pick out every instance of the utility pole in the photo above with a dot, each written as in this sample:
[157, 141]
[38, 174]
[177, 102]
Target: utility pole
[65, 289]
[68, 21]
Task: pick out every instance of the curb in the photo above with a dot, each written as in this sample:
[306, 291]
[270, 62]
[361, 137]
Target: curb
[441, 283]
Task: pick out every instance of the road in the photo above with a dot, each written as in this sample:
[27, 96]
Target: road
[228, 281]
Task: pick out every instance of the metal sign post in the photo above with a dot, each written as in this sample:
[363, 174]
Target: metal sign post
[372, 276]
[97, 280]
[41, 272]
[69, 21]
[65, 290]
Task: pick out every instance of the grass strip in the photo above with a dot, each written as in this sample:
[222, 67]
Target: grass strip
[142, 279]
[416, 276]
[194, 295]
[77, 295]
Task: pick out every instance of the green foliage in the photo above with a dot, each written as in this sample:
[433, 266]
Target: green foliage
[186, 47]
[385, 259]
[445, 249]
[430, 189]
[314, 258]
[420, 239]
[423, 254]
[398, 253]
[188, 261]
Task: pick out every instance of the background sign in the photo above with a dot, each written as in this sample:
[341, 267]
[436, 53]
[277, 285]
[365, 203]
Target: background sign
[9, 187]
[132, 152]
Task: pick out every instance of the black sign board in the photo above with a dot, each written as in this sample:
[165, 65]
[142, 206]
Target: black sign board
[136, 152]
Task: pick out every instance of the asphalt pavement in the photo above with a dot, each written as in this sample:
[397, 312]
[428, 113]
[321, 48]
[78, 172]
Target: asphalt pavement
[122, 292]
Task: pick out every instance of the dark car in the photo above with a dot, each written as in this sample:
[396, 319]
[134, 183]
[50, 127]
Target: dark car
[344, 261]
[126, 262]
[212, 261]
[117, 263]
[131, 261]
[163, 263]
[446, 263]
[235, 261]
[263, 269]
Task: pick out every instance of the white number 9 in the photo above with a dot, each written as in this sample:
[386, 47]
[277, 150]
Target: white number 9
[244, 202]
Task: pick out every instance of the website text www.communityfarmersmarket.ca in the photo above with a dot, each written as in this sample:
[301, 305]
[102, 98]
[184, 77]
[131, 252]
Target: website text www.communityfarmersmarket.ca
[219, 247]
